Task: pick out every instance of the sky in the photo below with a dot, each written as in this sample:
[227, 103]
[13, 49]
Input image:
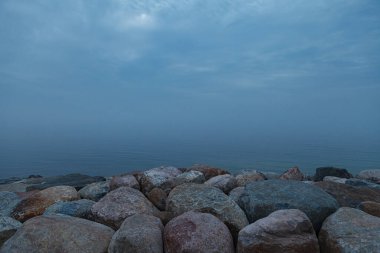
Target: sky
[149, 70]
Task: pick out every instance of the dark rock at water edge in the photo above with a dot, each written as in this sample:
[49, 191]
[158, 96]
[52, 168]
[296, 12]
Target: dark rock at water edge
[321, 172]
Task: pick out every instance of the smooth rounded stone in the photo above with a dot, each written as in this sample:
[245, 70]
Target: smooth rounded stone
[350, 230]
[335, 179]
[197, 232]
[208, 171]
[370, 207]
[292, 174]
[349, 196]
[8, 201]
[119, 204]
[249, 176]
[192, 176]
[8, 226]
[158, 197]
[161, 177]
[236, 192]
[77, 208]
[75, 180]
[272, 175]
[37, 203]
[59, 233]
[208, 199]
[259, 199]
[224, 182]
[321, 172]
[282, 231]
[95, 191]
[362, 183]
[124, 180]
[139, 233]
[371, 175]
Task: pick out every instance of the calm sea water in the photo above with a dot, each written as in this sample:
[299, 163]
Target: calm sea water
[110, 157]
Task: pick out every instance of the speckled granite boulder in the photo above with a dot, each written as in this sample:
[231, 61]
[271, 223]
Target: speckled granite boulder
[235, 193]
[78, 208]
[59, 233]
[350, 230]
[224, 182]
[249, 176]
[139, 233]
[287, 231]
[161, 177]
[95, 191]
[124, 180]
[8, 201]
[197, 232]
[292, 174]
[8, 226]
[192, 176]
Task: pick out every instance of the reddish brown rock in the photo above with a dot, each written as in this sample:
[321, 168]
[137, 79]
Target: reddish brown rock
[124, 180]
[119, 204]
[224, 182]
[249, 176]
[370, 207]
[158, 197]
[197, 232]
[282, 231]
[292, 174]
[208, 171]
[37, 203]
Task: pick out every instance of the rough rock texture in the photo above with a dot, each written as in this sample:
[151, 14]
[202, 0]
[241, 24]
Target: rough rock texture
[119, 204]
[158, 197]
[204, 198]
[362, 183]
[37, 203]
[197, 232]
[75, 180]
[95, 191]
[8, 227]
[287, 231]
[161, 177]
[292, 174]
[321, 172]
[224, 182]
[208, 171]
[235, 193]
[139, 233]
[335, 179]
[192, 176]
[8, 201]
[124, 180]
[348, 195]
[77, 208]
[259, 199]
[249, 176]
[271, 175]
[59, 233]
[350, 230]
[370, 207]
[372, 175]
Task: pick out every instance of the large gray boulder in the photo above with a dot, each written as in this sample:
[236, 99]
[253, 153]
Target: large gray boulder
[350, 230]
[224, 182]
[287, 231]
[371, 175]
[249, 176]
[161, 177]
[208, 199]
[78, 208]
[124, 180]
[59, 233]
[8, 201]
[119, 204]
[139, 233]
[197, 232]
[259, 199]
[191, 176]
[8, 226]
[95, 191]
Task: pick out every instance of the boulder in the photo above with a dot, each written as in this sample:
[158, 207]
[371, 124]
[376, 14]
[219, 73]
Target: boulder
[124, 180]
[321, 172]
[162, 177]
[362, 183]
[95, 191]
[197, 232]
[37, 203]
[158, 197]
[208, 199]
[249, 176]
[370, 207]
[349, 196]
[14, 187]
[282, 231]
[350, 230]
[8, 226]
[224, 182]
[59, 233]
[192, 176]
[208, 171]
[119, 204]
[235, 193]
[139, 233]
[335, 179]
[8, 201]
[371, 175]
[75, 180]
[292, 174]
[77, 208]
[259, 199]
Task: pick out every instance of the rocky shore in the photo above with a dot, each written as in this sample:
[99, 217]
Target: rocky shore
[197, 209]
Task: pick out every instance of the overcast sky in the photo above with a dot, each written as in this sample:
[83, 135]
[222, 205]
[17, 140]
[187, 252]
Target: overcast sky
[190, 68]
